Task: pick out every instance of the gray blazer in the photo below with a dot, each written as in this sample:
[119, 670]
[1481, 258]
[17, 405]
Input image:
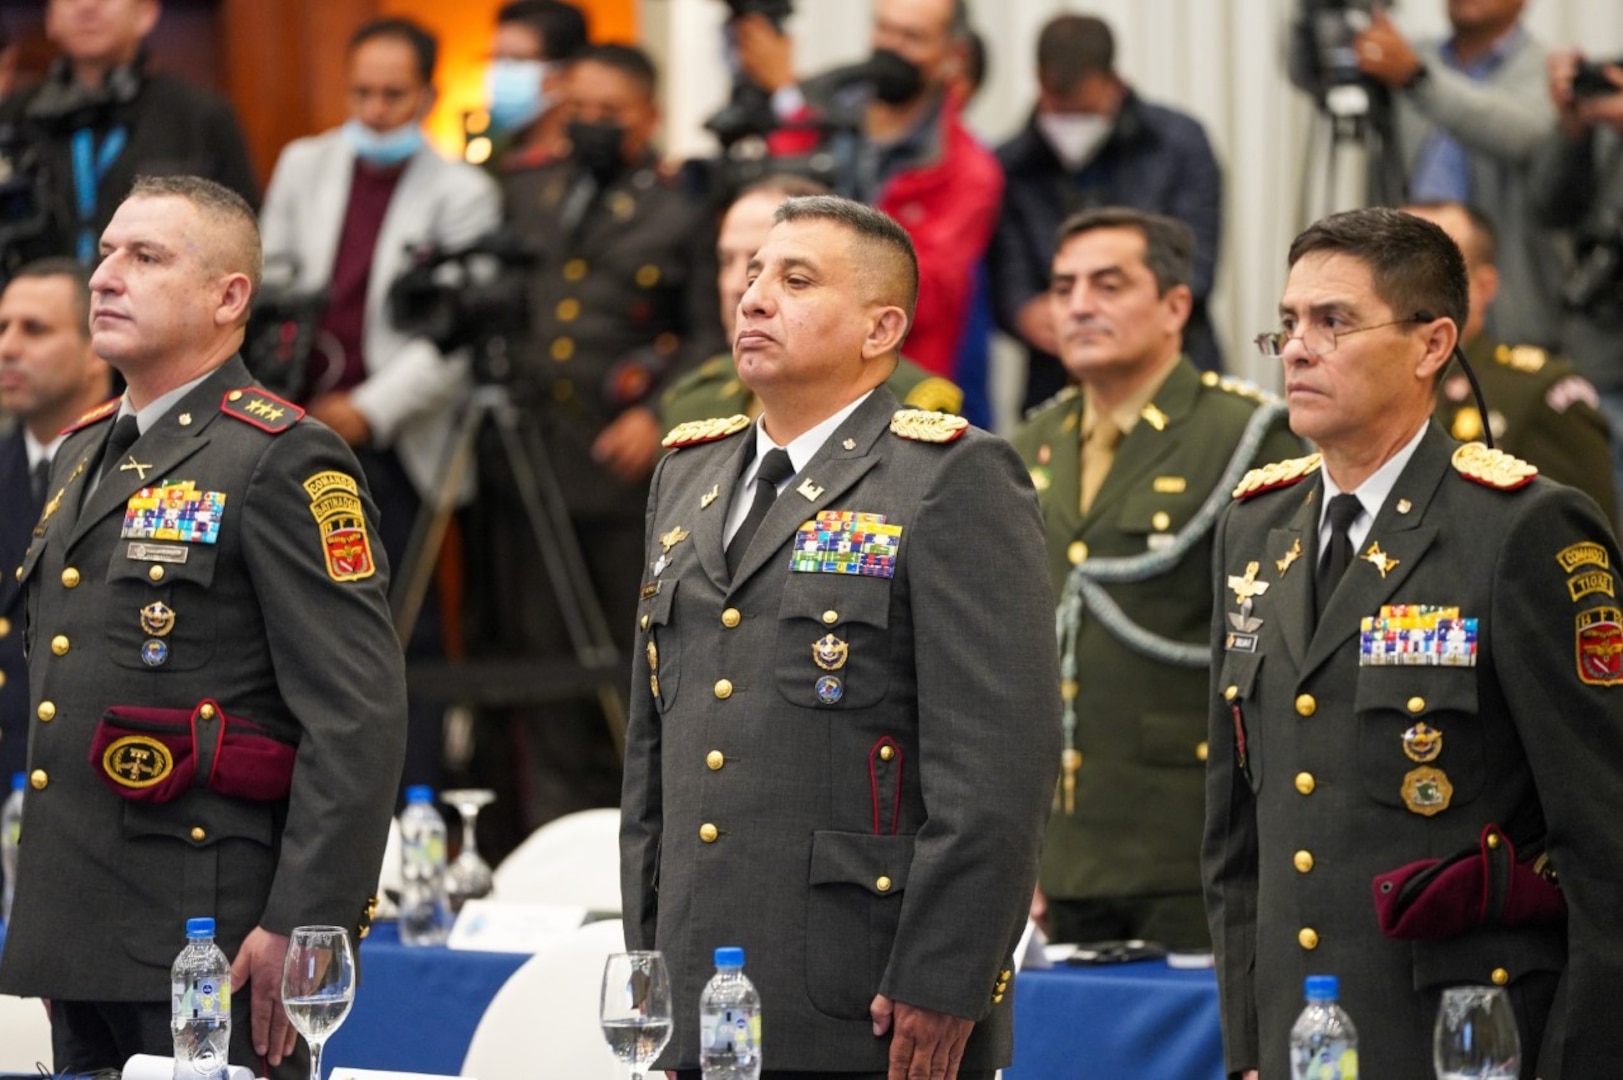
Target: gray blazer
[881, 840]
[410, 389]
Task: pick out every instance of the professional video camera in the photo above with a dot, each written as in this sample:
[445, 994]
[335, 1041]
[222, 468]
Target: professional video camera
[1322, 60]
[1596, 283]
[281, 338]
[467, 297]
[24, 207]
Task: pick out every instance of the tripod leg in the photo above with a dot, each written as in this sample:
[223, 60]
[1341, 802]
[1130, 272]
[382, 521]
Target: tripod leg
[416, 572]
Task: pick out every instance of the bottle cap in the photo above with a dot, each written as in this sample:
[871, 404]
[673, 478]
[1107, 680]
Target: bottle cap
[19, 781]
[200, 928]
[1323, 988]
[729, 956]
[419, 793]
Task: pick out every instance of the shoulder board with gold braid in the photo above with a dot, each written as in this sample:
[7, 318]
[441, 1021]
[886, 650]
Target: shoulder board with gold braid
[1277, 475]
[100, 412]
[1528, 359]
[921, 426]
[1238, 387]
[262, 409]
[1493, 468]
[695, 432]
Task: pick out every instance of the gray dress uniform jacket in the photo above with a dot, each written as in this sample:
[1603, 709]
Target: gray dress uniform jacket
[259, 626]
[1531, 739]
[884, 841]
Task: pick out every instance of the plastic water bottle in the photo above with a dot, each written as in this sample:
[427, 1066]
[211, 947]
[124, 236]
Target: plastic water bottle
[424, 915]
[1324, 1043]
[200, 1005]
[730, 1021]
[11, 827]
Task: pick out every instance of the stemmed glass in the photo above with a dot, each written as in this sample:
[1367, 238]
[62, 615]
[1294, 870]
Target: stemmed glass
[318, 985]
[636, 1008]
[469, 877]
[1476, 1035]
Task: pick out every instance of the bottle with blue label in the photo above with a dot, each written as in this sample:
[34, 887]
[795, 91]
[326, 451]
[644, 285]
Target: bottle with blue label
[425, 917]
[730, 1021]
[1324, 1043]
[200, 1005]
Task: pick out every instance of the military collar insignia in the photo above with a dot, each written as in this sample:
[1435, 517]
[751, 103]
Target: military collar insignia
[932, 427]
[709, 497]
[100, 412]
[811, 491]
[261, 409]
[1247, 588]
[672, 538]
[1154, 417]
[1379, 559]
[695, 432]
[1277, 475]
[1284, 563]
[1493, 468]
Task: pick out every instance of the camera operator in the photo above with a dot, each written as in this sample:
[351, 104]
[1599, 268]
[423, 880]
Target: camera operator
[101, 116]
[1470, 114]
[910, 155]
[1577, 183]
[342, 209]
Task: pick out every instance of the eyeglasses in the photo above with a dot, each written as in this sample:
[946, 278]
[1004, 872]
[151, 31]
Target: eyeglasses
[1320, 340]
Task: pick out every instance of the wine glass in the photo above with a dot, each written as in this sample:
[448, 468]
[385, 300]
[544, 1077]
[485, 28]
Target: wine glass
[469, 877]
[1476, 1035]
[636, 1008]
[318, 985]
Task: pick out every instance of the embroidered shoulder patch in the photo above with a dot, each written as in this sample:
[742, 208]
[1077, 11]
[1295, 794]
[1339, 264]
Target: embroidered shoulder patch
[262, 409]
[695, 432]
[1493, 468]
[335, 503]
[100, 412]
[932, 427]
[1276, 475]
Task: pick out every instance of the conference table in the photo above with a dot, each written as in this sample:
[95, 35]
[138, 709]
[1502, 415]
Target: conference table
[418, 1008]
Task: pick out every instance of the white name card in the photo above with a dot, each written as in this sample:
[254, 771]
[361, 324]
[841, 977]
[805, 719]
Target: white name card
[497, 926]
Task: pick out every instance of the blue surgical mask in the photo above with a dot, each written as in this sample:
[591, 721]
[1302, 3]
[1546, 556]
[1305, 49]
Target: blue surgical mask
[384, 147]
[513, 91]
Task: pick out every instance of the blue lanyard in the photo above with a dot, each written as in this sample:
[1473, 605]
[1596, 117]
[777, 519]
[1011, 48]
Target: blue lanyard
[89, 166]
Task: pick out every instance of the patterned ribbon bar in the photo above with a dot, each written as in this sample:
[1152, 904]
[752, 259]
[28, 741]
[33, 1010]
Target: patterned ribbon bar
[847, 542]
[1424, 635]
[174, 512]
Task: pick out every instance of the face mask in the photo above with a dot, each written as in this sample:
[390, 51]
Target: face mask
[1074, 137]
[384, 147]
[597, 147]
[513, 90]
[896, 80]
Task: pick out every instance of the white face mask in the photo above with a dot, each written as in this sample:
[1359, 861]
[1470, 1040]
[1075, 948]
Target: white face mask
[1074, 137]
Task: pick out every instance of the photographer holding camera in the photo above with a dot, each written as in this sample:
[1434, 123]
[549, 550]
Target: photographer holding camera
[1577, 183]
[905, 150]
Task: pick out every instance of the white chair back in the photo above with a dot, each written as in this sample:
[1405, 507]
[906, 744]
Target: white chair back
[25, 1035]
[574, 860]
[544, 1021]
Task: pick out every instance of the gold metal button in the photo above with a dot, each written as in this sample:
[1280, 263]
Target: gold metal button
[1493, 840]
[2, 679]
[5, 626]
[38, 779]
[731, 618]
[887, 753]
[1305, 783]
[198, 833]
[1500, 977]
[997, 999]
[70, 578]
[155, 573]
[1231, 692]
[574, 269]
[648, 275]
[708, 833]
[60, 645]
[46, 711]
[883, 884]
[206, 712]
[1306, 705]
[1002, 985]
[724, 689]
[1303, 861]
[1308, 938]
[643, 622]
[1162, 521]
[1202, 751]
[1417, 704]
[1077, 553]
[568, 309]
[562, 349]
[715, 759]
[235, 395]
[1006, 974]
[830, 617]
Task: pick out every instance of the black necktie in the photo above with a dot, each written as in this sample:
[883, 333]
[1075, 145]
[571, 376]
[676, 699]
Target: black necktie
[1338, 554]
[775, 469]
[38, 477]
[125, 432]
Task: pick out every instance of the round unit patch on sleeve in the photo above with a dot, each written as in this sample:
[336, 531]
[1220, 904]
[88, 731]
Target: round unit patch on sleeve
[335, 503]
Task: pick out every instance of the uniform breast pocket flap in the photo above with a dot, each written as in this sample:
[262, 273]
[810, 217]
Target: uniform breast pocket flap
[832, 641]
[1420, 741]
[159, 616]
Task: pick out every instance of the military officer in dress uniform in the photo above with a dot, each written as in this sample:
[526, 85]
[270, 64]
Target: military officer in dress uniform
[621, 301]
[1539, 407]
[844, 723]
[1417, 723]
[216, 692]
[714, 389]
[1129, 549]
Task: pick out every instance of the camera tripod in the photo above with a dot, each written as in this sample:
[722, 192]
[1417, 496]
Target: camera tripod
[596, 661]
[1350, 157]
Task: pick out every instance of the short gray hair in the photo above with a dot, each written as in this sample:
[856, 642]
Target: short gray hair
[239, 248]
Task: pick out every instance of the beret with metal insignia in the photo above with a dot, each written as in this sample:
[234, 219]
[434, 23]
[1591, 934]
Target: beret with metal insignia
[921, 426]
[695, 432]
[1277, 475]
[262, 409]
[1493, 468]
[100, 412]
